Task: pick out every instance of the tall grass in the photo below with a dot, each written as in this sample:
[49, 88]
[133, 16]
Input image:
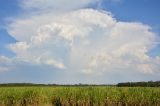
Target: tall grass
[79, 96]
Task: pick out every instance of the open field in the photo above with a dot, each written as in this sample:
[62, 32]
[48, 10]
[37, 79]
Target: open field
[79, 96]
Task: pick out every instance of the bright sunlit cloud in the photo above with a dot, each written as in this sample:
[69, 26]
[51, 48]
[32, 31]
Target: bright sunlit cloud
[83, 42]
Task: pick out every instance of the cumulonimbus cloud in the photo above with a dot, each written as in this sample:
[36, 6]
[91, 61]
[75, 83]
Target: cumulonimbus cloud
[85, 41]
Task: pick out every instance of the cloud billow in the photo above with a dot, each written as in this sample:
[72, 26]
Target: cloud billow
[84, 42]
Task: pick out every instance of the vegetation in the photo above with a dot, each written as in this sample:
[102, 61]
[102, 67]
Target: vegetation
[140, 84]
[125, 84]
[79, 96]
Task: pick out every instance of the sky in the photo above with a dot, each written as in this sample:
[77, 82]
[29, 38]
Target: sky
[85, 41]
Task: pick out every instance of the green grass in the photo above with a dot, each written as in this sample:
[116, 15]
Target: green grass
[79, 96]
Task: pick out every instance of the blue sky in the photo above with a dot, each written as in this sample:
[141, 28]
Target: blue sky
[17, 24]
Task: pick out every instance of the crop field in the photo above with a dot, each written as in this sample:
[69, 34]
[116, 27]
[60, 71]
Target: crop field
[79, 96]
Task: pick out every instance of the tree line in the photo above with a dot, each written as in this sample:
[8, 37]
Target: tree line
[124, 84]
[33, 84]
[140, 84]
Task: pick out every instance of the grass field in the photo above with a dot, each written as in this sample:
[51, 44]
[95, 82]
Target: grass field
[79, 96]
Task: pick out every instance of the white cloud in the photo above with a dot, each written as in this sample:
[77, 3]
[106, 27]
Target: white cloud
[28, 53]
[20, 48]
[94, 40]
[43, 5]
[5, 64]
[55, 64]
[82, 41]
